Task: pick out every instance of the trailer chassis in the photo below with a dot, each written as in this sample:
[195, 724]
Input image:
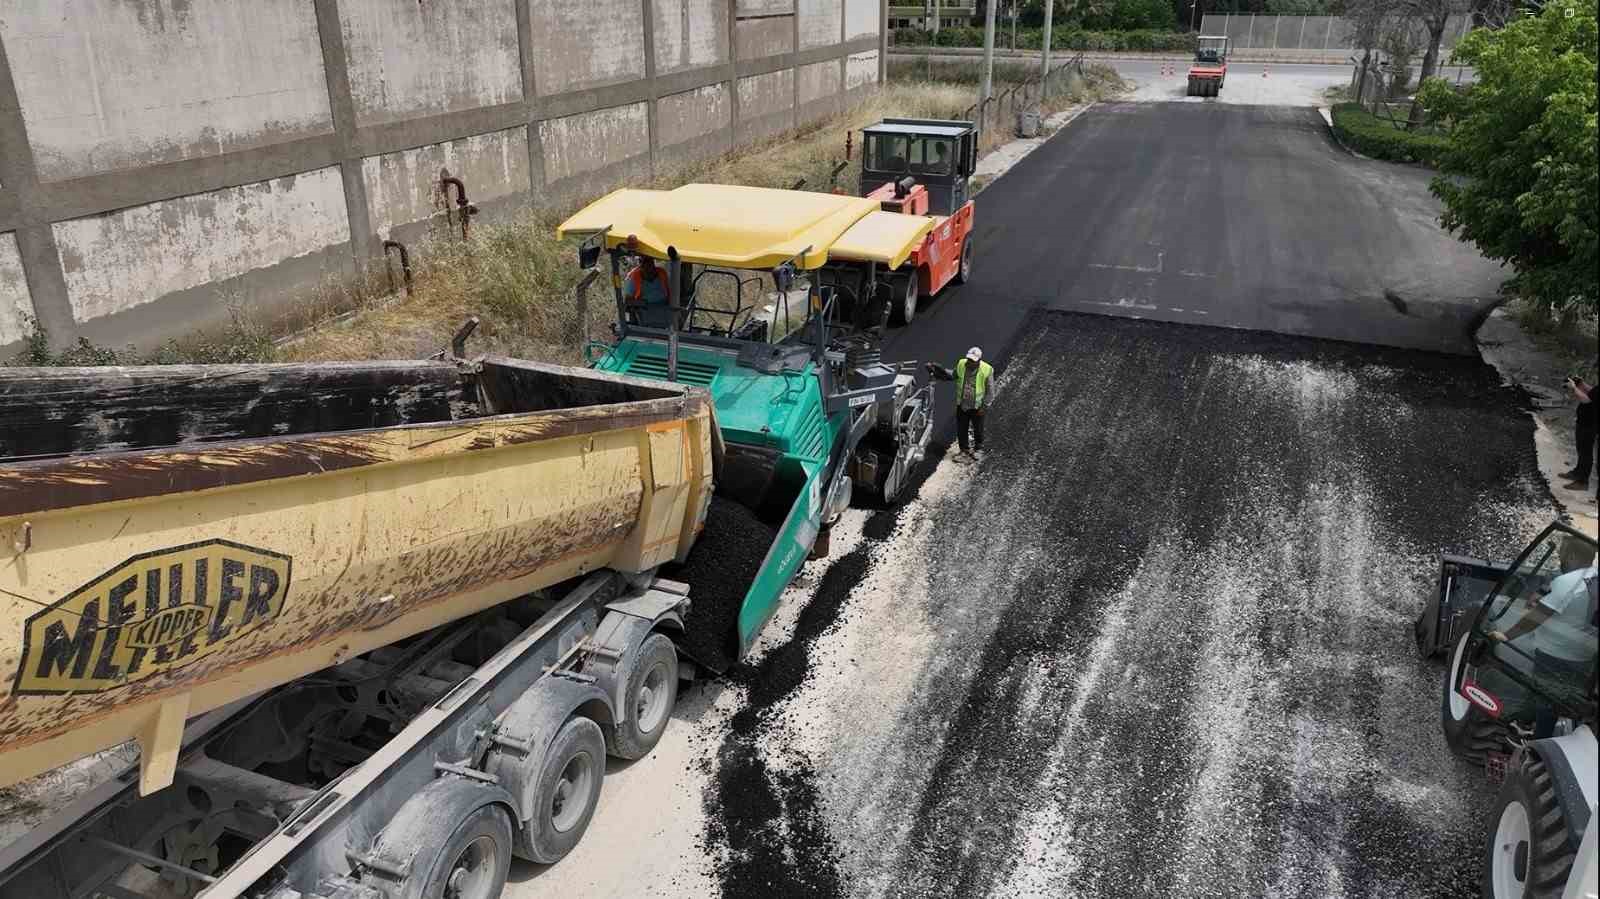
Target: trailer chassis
[464, 750]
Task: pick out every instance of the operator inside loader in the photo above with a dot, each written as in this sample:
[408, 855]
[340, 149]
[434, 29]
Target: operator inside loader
[1548, 621]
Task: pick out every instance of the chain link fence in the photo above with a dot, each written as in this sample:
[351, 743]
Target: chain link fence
[1001, 115]
[1322, 38]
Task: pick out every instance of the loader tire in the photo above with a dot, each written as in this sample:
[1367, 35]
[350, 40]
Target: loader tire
[1470, 732]
[1528, 853]
[964, 270]
[904, 304]
[651, 691]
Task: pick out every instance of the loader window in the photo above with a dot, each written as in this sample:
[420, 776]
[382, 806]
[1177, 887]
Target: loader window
[887, 152]
[1545, 620]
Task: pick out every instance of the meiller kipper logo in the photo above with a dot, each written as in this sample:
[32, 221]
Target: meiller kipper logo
[156, 612]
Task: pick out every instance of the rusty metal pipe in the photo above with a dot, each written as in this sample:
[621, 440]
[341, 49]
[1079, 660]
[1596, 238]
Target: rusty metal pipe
[405, 263]
[458, 343]
[467, 209]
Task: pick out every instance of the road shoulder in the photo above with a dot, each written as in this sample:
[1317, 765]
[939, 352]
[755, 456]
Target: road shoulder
[1523, 363]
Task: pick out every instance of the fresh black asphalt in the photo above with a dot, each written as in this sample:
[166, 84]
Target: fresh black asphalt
[1240, 413]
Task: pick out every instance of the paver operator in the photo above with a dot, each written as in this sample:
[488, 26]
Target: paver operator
[648, 294]
[975, 389]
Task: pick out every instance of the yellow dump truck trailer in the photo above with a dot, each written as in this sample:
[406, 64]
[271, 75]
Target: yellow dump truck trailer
[404, 608]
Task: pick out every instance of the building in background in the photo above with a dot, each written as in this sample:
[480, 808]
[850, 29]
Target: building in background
[952, 13]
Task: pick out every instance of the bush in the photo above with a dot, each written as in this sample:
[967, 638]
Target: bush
[1371, 136]
[1520, 178]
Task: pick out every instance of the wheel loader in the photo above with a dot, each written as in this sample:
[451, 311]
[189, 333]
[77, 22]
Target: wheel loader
[1519, 697]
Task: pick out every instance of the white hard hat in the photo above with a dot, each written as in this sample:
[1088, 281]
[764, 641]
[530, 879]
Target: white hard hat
[974, 354]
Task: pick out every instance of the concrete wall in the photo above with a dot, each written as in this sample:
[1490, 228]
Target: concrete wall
[163, 160]
[15, 304]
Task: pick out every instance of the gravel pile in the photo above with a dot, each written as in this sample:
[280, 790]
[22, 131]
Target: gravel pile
[719, 571]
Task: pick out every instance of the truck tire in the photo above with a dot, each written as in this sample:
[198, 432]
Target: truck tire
[1528, 855]
[474, 860]
[903, 308]
[651, 692]
[567, 791]
[1470, 732]
[964, 271]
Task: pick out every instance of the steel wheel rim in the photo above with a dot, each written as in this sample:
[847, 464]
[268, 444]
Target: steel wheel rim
[1509, 865]
[908, 305]
[966, 259]
[572, 793]
[651, 709]
[1459, 705]
[472, 873]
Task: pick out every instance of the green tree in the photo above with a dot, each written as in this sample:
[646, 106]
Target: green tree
[1520, 176]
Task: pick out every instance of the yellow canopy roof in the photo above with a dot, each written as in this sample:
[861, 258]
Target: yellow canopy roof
[751, 227]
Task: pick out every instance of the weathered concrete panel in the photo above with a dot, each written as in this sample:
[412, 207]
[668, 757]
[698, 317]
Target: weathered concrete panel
[16, 304]
[766, 104]
[860, 18]
[110, 84]
[125, 259]
[404, 187]
[583, 45]
[410, 59]
[860, 69]
[820, 22]
[690, 34]
[591, 141]
[819, 80]
[758, 38]
[691, 114]
[764, 7]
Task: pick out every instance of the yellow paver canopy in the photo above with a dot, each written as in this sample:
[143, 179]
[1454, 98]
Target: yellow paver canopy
[751, 227]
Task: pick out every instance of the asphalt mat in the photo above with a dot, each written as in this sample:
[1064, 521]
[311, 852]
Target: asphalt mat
[1176, 662]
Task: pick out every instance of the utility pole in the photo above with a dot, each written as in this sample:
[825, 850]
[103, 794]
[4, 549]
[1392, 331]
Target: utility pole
[1044, 66]
[1194, 10]
[935, 16]
[1013, 26]
[988, 56]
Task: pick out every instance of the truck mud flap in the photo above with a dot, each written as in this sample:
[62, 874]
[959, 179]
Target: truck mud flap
[1464, 585]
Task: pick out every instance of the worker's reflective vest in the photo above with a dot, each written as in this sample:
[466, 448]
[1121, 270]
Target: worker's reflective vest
[980, 387]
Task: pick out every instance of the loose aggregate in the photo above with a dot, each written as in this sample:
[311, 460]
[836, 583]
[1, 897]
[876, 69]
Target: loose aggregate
[1169, 651]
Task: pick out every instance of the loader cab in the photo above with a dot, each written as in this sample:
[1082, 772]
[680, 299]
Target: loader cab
[1211, 51]
[937, 154]
[1533, 649]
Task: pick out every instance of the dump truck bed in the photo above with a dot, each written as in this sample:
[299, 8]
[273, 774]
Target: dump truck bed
[175, 538]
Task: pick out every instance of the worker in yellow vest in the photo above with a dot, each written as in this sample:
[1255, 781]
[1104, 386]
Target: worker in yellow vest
[975, 389]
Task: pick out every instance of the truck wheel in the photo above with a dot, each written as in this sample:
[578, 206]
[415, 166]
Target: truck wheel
[651, 692]
[568, 790]
[905, 299]
[473, 863]
[1470, 732]
[964, 272]
[1528, 854]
